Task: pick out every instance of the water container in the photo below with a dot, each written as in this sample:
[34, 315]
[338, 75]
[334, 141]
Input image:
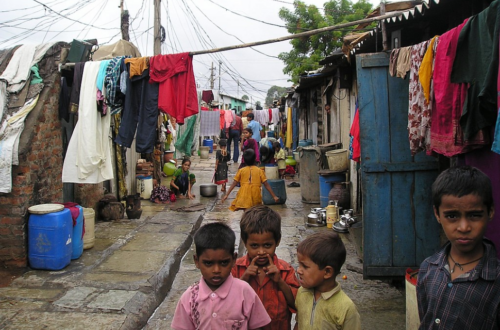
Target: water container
[78, 236]
[204, 151]
[279, 189]
[89, 220]
[290, 161]
[309, 179]
[169, 168]
[144, 186]
[270, 134]
[50, 240]
[326, 183]
[272, 172]
[209, 143]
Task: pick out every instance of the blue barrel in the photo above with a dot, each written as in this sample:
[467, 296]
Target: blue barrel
[209, 143]
[279, 189]
[270, 134]
[78, 236]
[49, 240]
[326, 182]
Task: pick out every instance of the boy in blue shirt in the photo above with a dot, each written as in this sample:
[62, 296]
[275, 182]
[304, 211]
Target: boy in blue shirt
[459, 286]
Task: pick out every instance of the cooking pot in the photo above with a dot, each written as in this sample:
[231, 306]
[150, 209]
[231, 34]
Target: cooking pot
[208, 189]
[315, 218]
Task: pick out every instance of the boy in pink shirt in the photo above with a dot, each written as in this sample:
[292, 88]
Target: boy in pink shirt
[218, 300]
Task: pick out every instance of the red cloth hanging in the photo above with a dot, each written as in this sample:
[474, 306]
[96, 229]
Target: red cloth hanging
[177, 90]
[356, 146]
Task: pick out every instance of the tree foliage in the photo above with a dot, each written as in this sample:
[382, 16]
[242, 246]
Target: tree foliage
[308, 51]
[274, 93]
[245, 97]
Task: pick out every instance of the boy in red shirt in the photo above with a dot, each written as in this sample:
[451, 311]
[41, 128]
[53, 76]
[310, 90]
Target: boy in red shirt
[272, 279]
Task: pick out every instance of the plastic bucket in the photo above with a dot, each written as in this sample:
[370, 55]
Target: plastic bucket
[271, 171]
[50, 240]
[412, 319]
[77, 236]
[337, 160]
[144, 186]
[89, 221]
[204, 152]
[279, 189]
[326, 184]
[209, 143]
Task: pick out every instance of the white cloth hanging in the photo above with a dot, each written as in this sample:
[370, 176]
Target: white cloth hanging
[10, 131]
[88, 159]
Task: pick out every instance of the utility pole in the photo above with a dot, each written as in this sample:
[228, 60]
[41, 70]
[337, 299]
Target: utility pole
[212, 76]
[157, 25]
[220, 66]
[384, 33]
[124, 22]
[238, 92]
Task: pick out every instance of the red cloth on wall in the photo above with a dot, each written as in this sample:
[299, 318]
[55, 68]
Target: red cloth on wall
[356, 146]
[177, 94]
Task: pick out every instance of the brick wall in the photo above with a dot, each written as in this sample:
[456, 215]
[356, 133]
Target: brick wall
[38, 177]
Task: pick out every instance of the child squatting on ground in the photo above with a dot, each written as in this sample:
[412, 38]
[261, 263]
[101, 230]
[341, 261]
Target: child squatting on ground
[251, 179]
[459, 286]
[218, 301]
[272, 279]
[320, 302]
[183, 181]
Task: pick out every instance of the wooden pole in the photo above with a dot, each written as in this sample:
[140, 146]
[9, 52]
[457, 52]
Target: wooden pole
[212, 76]
[298, 35]
[384, 32]
[157, 25]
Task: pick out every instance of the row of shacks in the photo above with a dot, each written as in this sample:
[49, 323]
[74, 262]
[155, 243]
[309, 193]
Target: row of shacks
[390, 186]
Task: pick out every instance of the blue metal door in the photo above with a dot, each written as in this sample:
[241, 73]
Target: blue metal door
[399, 228]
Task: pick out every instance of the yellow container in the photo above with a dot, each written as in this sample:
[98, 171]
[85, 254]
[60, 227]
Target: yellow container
[331, 215]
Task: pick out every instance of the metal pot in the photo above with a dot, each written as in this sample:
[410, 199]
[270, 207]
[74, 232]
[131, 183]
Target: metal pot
[208, 189]
[315, 218]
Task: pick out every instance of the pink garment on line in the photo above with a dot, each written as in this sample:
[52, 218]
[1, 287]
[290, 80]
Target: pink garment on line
[446, 134]
[177, 90]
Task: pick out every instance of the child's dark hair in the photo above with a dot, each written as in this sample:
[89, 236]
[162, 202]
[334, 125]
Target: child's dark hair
[185, 160]
[276, 145]
[324, 249]
[249, 130]
[216, 235]
[249, 157]
[460, 181]
[250, 115]
[258, 220]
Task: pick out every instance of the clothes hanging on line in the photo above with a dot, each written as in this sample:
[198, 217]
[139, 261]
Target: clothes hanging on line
[177, 90]
[209, 123]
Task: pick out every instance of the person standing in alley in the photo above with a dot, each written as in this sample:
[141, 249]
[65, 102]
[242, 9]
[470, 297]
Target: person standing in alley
[235, 133]
[221, 159]
[251, 179]
[249, 143]
[459, 286]
[321, 303]
[218, 300]
[272, 279]
[279, 157]
[255, 126]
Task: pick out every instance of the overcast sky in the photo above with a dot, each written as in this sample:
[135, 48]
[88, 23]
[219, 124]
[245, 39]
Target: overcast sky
[190, 25]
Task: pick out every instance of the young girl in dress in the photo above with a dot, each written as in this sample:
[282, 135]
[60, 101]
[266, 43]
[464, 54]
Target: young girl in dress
[183, 181]
[247, 144]
[279, 157]
[222, 157]
[251, 179]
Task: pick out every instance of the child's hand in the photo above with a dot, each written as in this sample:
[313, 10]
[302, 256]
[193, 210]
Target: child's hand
[223, 199]
[276, 199]
[272, 271]
[252, 270]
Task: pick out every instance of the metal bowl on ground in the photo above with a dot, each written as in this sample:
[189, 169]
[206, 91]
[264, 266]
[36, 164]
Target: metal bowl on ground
[208, 189]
